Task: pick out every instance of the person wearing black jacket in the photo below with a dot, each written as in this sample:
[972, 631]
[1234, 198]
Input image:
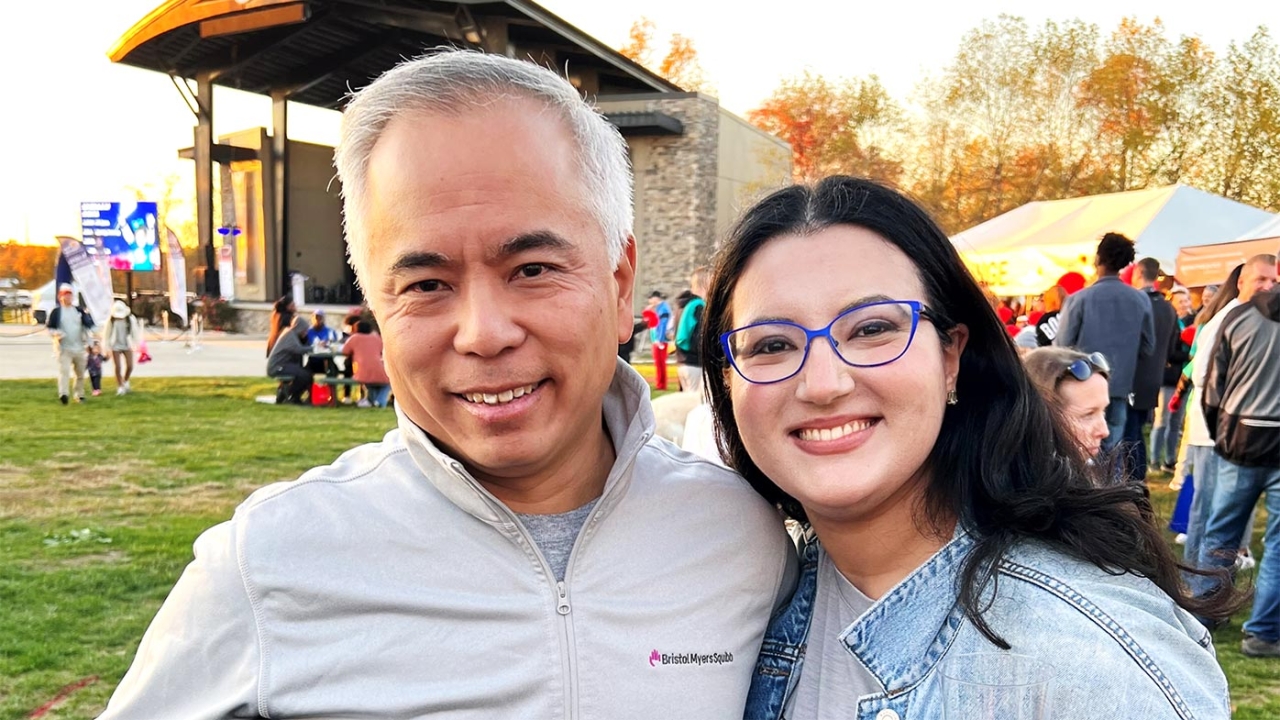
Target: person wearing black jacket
[1150, 371]
[1166, 429]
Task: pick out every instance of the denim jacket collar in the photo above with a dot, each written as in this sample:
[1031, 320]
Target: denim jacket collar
[887, 638]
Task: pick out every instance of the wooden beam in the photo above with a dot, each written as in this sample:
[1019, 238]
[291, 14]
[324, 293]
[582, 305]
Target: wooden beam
[253, 20]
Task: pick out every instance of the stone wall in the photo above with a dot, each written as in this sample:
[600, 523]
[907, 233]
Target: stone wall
[675, 192]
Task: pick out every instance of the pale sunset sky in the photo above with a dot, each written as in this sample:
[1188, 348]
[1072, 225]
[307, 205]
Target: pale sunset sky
[75, 127]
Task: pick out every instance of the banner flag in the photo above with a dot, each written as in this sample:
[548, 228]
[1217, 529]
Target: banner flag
[177, 266]
[94, 282]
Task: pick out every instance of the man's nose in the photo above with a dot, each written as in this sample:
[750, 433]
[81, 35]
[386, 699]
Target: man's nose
[486, 323]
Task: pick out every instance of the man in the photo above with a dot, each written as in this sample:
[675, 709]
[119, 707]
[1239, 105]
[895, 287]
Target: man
[71, 328]
[521, 546]
[1241, 403]
[1114, 319]
[1166, 429]
[689, 333]
[1150, 372]
[657, 315]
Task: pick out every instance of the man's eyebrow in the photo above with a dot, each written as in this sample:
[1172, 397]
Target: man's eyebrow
[536, 240]
[418, 260]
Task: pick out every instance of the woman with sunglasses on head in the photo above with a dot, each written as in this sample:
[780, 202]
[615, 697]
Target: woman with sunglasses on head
[1076, 385]
[861, 381]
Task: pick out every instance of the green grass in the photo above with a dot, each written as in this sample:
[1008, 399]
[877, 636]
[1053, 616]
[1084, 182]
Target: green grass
[1255, 682]
[100, 503]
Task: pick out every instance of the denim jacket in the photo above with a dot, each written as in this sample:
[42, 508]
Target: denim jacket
[1115, 645]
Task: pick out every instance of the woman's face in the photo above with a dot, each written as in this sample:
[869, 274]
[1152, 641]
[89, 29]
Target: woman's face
[847, 442]
[1085, 406]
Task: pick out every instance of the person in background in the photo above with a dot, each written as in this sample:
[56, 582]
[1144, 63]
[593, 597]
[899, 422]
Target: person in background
[364, 357]
[1241, 403]
[657, 316]
[1047, 324]
[285, 363]
[319, 337]
[123, 334]
[948, 514]
[689, 332]
[282, 312]
[71, 328]
[1111, 318]
[1076, 385]
[1149, 374]
[1206, 297]
[1197, 461]
[93, 364]
[1166, 429]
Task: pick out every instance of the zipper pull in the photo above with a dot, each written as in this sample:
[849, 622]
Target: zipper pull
[562, 607]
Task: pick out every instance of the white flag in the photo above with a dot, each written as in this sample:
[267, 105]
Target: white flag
[177, 266]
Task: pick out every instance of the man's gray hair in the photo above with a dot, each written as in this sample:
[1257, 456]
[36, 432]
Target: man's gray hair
[452, 82]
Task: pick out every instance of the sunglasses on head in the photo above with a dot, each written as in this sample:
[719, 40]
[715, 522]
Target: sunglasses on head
[1084, 368]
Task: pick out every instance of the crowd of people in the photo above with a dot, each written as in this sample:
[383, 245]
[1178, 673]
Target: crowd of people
[78, 346]
[522, 545]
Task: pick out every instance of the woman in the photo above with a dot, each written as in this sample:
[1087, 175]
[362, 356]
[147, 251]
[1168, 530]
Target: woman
[122, 334]
[1074, 384]
[947, 513]
[364, 357]
[282, 313]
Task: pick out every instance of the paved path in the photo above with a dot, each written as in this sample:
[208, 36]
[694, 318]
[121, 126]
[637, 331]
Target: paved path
[27, 352]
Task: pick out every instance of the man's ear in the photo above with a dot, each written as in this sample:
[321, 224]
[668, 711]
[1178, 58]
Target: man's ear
[624, 275]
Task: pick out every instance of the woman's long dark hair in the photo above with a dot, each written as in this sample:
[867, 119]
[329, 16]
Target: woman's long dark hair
[1003, 465]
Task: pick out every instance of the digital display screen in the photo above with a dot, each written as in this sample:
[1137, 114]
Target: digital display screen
[126, 232]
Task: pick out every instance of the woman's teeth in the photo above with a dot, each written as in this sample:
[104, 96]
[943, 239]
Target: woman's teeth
[835, 433]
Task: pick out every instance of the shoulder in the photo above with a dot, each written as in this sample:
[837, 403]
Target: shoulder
[359, 479]
[698, 486]
[1111, 632]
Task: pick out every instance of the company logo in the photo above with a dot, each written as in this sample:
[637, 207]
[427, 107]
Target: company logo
[660, 658]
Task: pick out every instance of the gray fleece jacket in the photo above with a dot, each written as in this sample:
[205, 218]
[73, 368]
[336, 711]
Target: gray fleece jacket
[391, 584]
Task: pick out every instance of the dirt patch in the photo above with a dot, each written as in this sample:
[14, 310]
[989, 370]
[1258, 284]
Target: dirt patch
[110, 557]
[58, 488]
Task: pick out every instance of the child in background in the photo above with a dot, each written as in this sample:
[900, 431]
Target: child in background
[93, 363]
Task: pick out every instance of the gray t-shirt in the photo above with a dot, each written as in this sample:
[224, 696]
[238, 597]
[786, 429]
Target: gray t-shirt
[72, 340]
[555, 534]
[832, 678]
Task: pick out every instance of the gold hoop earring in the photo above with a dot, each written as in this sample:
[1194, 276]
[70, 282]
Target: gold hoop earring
[952, 398]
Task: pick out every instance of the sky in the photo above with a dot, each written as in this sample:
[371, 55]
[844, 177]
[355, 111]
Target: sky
[74, 127]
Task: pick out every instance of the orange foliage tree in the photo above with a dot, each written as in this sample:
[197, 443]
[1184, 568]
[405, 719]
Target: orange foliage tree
[680, 64]
[831, 126]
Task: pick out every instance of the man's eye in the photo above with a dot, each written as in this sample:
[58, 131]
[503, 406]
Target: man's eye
[532, 270]
[426, 286]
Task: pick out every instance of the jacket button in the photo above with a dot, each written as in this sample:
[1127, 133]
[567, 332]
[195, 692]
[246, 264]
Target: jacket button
[886, 714]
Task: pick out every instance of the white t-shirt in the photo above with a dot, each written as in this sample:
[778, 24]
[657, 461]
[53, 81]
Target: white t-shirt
[1206, 340]
[831, 677]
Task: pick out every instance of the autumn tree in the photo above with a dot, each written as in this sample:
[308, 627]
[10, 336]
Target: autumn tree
[832, 127]
[680, 64]
[1245, 132]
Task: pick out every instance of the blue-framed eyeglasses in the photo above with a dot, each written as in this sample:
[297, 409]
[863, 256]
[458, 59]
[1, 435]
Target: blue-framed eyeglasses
[869, 335]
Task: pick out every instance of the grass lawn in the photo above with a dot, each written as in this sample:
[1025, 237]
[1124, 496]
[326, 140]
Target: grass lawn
[99, 505]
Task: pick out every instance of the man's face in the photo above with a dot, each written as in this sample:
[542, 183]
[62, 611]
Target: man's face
[1181, 303]
[501, 314]
[64, 299]
[1255, 278]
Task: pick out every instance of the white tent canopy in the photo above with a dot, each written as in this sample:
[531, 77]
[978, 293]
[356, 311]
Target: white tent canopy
[1268, 229]
[1025, 250]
